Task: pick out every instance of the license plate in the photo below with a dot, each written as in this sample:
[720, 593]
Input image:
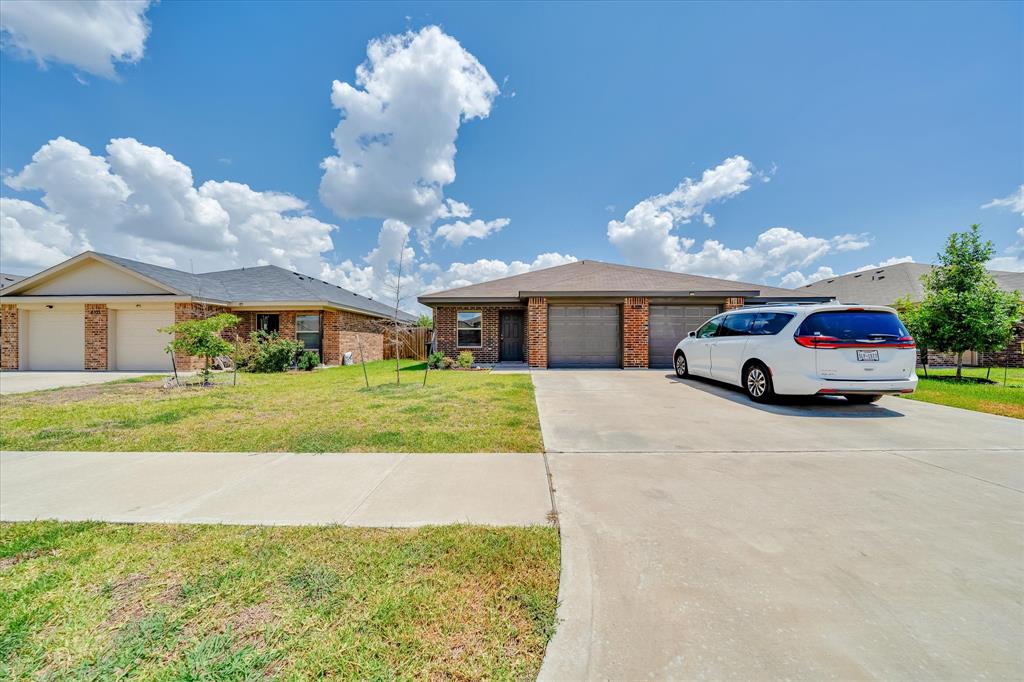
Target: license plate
[867, 356]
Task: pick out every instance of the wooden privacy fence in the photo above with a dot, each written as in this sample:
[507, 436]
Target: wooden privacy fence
[412, 343]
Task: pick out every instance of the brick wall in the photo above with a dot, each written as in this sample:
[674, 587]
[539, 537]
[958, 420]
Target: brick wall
[372, 345]
[96, 326]
[537, 332]
[1011, 356]
[635, 336]
[733, 302]
[197, 311]
[8, 336]
[489, 351]
[341, 331]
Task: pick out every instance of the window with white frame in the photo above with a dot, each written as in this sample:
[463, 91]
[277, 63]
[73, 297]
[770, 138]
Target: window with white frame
[469, 328]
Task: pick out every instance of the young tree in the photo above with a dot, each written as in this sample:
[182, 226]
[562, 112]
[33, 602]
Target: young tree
[425, 321]
[202, 339]
[963, 308]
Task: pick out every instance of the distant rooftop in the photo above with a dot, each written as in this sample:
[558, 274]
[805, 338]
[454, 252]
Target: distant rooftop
[596, 278]
[7, 280]
[884, 286]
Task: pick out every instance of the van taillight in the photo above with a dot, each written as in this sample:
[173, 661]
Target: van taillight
[816, 341]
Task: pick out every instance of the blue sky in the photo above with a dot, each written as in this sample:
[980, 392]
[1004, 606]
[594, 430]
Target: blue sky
[865, 131]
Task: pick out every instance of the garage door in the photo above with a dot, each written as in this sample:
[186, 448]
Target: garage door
[137, 343]
[56, 339]
[669, 324]
[584, 336]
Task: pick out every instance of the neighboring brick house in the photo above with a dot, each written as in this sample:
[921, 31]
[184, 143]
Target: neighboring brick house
[587, 314]
[885, 286]
[101, 312]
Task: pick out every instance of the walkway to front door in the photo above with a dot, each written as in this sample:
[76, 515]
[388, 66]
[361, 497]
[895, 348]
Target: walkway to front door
[511, 336]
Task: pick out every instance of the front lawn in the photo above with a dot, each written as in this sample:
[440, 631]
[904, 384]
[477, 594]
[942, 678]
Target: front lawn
[995, 398]
[97, 601]
[328, 410]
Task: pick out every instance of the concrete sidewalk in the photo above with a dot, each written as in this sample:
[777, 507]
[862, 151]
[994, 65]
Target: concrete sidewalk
[394, 490]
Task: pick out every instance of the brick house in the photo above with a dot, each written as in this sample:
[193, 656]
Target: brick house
[587, 314]
[884, 286]
[101, 312]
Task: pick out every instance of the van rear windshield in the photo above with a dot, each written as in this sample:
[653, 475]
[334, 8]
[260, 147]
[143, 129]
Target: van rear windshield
[854, 325]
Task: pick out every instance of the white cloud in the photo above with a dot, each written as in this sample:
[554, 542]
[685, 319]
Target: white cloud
[140, 202]
[1013, 260]
[459, 231]
[796, 279]
[91, 36]
[644, 236]
[852, 242]
[885, 263]
[376, 275]
[396, 140]
[1014, 202]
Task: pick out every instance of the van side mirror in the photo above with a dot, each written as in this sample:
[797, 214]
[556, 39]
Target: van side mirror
[693, 334]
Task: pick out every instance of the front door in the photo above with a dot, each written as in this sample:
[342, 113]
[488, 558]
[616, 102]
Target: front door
[511, 336]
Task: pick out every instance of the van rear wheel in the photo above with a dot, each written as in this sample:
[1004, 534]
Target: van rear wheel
[863, 399]
[757, 382]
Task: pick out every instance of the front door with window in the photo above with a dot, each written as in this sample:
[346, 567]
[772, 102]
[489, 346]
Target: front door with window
[511, 336]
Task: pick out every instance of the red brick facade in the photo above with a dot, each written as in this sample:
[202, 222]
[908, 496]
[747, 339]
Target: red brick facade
[537, 332]
[635, 337]
[489, 350]
[96, 326]
[8, 336]
[1011, 356]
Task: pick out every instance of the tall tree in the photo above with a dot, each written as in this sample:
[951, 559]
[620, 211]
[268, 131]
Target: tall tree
[963, 307]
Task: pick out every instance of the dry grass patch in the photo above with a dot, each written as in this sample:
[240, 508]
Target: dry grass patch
[102, 601]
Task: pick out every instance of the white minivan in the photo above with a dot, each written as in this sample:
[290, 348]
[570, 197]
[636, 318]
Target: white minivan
[860, 352]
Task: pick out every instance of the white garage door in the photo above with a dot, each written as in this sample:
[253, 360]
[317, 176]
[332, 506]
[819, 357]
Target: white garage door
[137, 343]
[56, 339]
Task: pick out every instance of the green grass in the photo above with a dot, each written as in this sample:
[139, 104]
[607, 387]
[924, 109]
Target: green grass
[996, 398]
[328, 410]
[91, 601]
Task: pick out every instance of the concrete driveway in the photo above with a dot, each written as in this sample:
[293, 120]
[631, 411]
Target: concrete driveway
[705, 537]
[23, 382]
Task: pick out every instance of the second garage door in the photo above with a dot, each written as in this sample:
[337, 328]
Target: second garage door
[584, 336]
[137, 343]
[669, 324]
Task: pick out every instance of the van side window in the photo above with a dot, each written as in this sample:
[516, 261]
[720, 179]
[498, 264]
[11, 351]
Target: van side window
[769, 324]
[709, 328]
[737, 325]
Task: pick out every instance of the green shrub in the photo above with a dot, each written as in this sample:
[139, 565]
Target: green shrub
[308, 361]
[273, 354]
[465, 359]
[244, 353]
[447, 363]
[435, 359]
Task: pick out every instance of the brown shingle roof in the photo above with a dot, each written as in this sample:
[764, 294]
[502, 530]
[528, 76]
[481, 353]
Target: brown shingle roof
[596, 278]
[883, 286]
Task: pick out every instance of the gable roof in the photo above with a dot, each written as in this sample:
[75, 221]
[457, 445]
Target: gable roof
[597, 278]
[884, 286]
[262, 284]
[7, 280]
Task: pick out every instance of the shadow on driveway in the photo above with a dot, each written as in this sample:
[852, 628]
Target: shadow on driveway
[790, 405]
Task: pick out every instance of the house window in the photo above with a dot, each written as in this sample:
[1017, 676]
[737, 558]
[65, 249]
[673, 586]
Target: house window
[307, 331]
[469, 328]
[268, 323]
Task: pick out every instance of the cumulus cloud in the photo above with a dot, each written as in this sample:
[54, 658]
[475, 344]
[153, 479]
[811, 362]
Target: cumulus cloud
[647, 233]
[797, 279]
[140, 202]
[1012, 259]
[458, 232]
[396, 139]
[1014, 202]
[376, 274]
[91, 36]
